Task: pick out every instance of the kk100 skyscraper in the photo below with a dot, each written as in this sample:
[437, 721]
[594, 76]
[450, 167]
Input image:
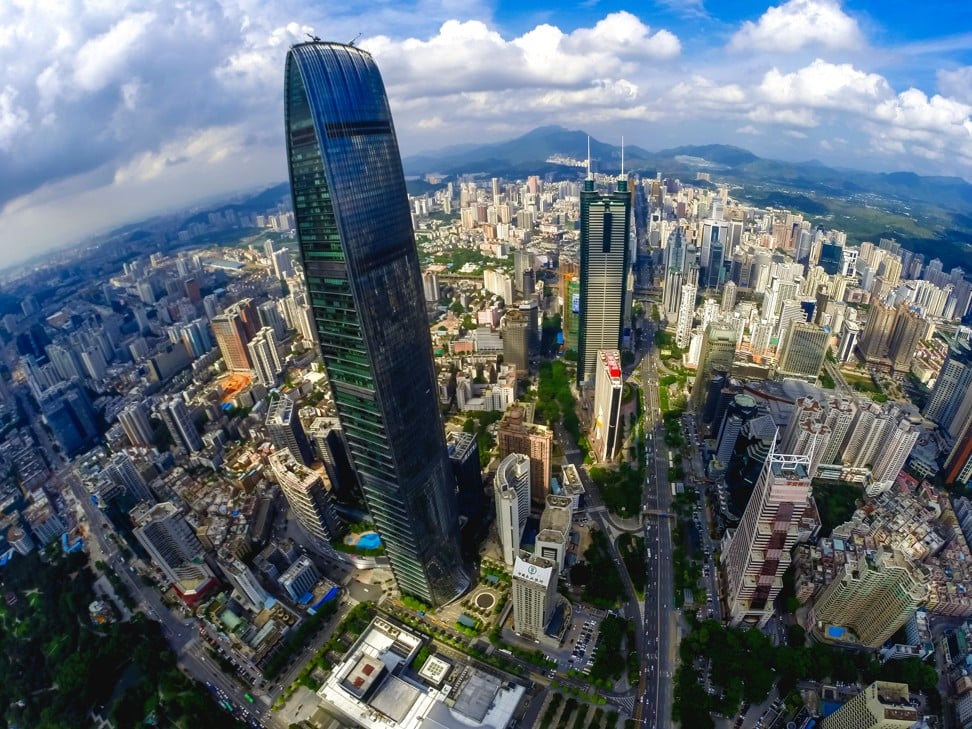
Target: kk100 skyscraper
[365, 288]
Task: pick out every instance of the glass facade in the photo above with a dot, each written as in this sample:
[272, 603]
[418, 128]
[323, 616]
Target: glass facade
[365, 290]
[604, 253]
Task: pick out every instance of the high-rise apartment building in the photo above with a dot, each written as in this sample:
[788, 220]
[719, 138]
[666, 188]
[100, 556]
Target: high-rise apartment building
[871, 597]
[515, 435]
[511, 491]
[534, 594]
[882, 705]
[910, 328]
[606, 430]
[135, 422]
[176, 550]
[308, 497]
[758, 552]
[360, 261]
[265, 358]
[605, 226]
[685, 317]
[178, 420]
[285, 430]
[898, 440]
[231, 338]
[876, 338]
[953, 382]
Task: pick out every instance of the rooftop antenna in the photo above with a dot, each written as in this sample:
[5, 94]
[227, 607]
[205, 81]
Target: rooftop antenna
[589, 176]
[354, 40]
[622, 156]
[314, 38]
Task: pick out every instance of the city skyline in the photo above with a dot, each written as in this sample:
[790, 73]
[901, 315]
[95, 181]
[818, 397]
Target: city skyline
[93, 132]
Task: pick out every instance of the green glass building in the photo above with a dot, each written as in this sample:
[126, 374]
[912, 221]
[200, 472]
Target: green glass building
[365, 290]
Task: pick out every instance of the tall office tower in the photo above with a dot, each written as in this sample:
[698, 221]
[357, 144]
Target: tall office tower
[953, 381]
[882, 705]
[910, 329]
[791, 310]
[534, 594]
[333, 452]
[674, 272]
[898, 440]
[718, 349]
[511, 491]
[872, 597]
[804, 351]
[531, 315]
[464, 457]
[177, 419]
[522, 262]
[553, 537]
[605, 221]
[515, 435]
[265, 358]
[728, 297]
[759, 550]
[176, 550]
[134, 419]
[839, 417]
[231, 337]
[361, 264]
[606, 430]
[68, 413]
[715, 242]
[571, 312]
[831, 258]
[269, 315]
[849, 337]
[122, 471]
[248, 588]
[285, 430]
[876, 338]
[741, 409]
[686, 314]
[958, 464]
[516, 340]
[283, 267]
[430, 287]
[306, 494]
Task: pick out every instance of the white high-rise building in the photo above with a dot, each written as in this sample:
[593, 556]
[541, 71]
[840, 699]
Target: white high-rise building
[899, 439]
[686, 312]
[534, 594]
[309, 499]
[839, 417]
[757, 553]
[511, 488]
[606, 432]
[265, 357]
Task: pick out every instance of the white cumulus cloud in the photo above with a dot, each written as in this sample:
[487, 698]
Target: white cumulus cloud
[799, 23]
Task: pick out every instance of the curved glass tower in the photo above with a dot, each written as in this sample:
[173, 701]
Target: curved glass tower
[365, 287]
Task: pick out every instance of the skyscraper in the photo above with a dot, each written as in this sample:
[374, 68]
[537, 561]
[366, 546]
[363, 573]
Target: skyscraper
[804, 351]
[759, 550]
[231, 337]
[718, 350]
[605, 220]
[308, 497]
[534, 594]
[286, 432]
[515, 435]
[954, 380]
[361, 265]
[606, 430]
[882, 705]
[511, 492]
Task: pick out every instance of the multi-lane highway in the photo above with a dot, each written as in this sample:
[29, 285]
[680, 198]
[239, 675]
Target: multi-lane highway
[659, 614]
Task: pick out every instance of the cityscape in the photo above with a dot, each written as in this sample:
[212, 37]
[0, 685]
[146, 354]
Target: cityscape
[546, 432]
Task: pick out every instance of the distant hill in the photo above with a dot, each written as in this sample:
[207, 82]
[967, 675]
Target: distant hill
[528, 154]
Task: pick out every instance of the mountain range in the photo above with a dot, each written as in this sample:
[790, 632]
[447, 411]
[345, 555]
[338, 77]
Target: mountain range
[529, 154]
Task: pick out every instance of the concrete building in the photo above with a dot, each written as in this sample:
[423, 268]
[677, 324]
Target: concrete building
[265, 357]
[515, 435]
[534, 594]
[285, 430]
[307, 495]
[757, 553]
[134, 420]
[300, 578]
[606, 428]
[248, 589]
[953, 382]
[804, 351]
[178, 420]
[174, 549]
[718, 350]
[882, 705]
[231, 337]
[553, 539]
[871, 598]
[516, 340]
[876, 339]
[464, 457]
[511, 489]
[910, 329]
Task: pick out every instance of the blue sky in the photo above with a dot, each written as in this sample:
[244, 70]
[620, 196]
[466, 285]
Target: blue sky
[114, 110]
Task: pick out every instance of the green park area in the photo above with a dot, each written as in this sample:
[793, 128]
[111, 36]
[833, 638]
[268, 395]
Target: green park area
[620, 488]
[597, 576]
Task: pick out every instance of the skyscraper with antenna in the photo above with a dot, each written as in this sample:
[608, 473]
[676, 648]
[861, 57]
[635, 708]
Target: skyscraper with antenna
[605, 258]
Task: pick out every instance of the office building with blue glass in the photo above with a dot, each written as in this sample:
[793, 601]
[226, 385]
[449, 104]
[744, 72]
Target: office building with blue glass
[365, 290]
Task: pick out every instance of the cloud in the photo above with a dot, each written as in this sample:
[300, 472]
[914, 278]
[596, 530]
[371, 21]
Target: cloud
[956, 83]
[824, 85]
[100, 60]
[13, 118]
[799, 23]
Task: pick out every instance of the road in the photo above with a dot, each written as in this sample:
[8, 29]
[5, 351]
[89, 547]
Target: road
[659, 615]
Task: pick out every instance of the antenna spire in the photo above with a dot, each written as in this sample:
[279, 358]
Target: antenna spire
[622, 156]
[589, 177]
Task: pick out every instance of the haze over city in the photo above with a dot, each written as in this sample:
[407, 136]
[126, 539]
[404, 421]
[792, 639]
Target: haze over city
[111, 112]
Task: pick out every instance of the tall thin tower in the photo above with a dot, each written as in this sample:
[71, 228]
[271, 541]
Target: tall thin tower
[604, 262]
[365, 288]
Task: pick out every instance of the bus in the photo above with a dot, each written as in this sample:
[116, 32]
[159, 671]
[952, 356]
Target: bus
[248, 698]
